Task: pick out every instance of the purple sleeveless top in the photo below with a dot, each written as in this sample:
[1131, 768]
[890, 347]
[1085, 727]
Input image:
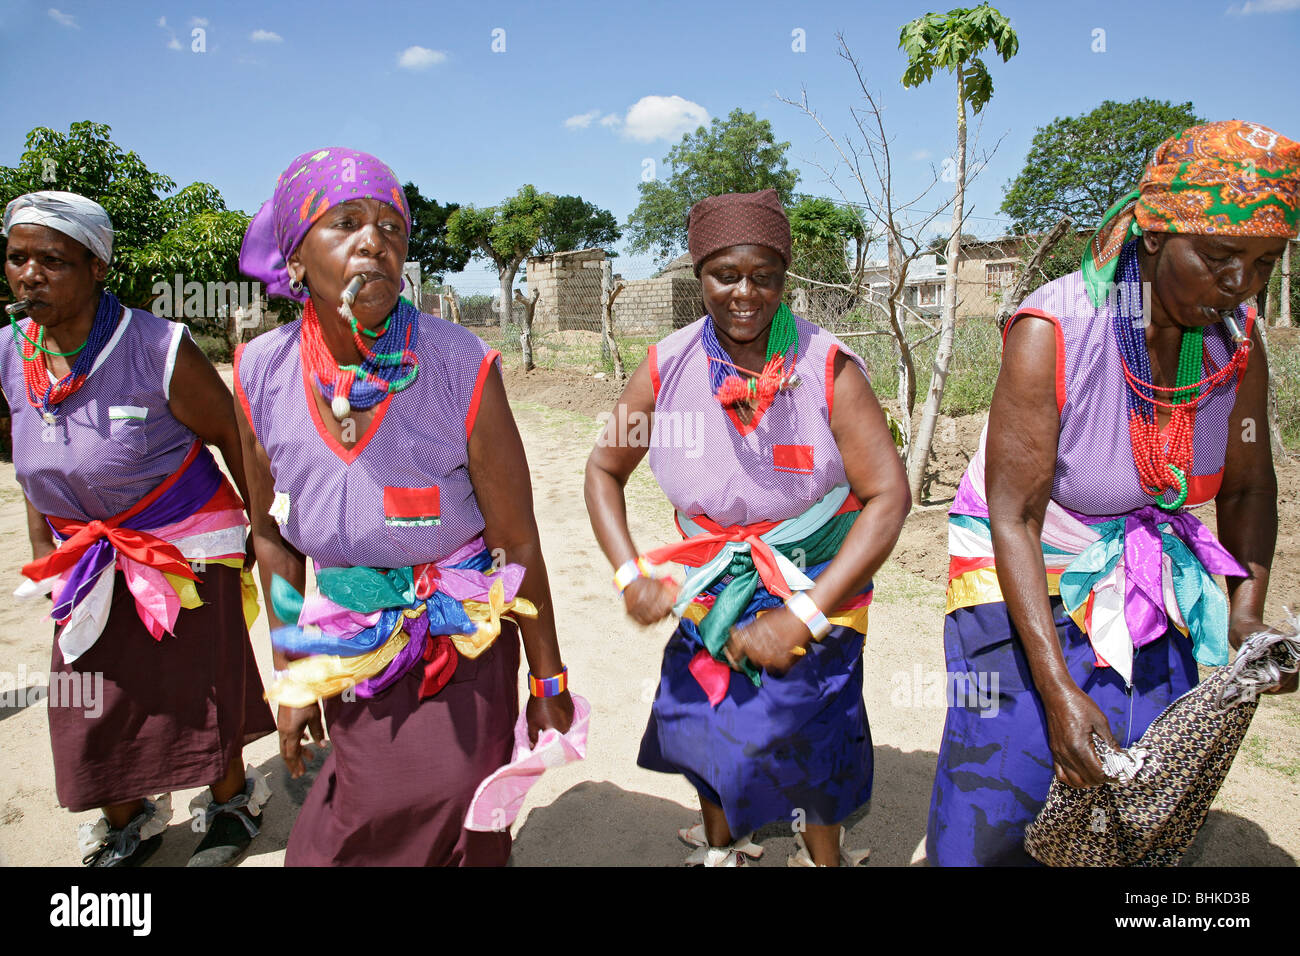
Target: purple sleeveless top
[115, 438]
[400, 496]
[1095, 472]
[774, 468]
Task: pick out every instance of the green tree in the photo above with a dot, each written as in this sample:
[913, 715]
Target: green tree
[574, 223]
[429, 245]
[155, 234]
[505, 234]
[735, 155]
[1079, 166]
[951, 41]
[821, 231]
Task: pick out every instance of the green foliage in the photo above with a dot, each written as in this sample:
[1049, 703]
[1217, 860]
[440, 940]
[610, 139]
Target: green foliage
[429, 245]
[1284, 369]
[735, 155]
[155, 235]
[574, 223]
[1081, 165]
[953, 40]
[976, 360]
[821, 231]
[1275, 289]
[530, 223]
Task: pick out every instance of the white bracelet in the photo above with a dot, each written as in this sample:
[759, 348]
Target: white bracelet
[806, 610]
[627, 572]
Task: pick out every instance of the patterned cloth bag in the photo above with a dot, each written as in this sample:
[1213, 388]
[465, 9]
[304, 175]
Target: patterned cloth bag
[1160, 789]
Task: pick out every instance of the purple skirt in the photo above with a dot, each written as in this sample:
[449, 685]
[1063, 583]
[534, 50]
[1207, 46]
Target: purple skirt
[136, 717]
[995, 763]
[796, 748]
[401, 772]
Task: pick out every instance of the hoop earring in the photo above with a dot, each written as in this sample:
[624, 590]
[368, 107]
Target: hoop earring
[296, 286]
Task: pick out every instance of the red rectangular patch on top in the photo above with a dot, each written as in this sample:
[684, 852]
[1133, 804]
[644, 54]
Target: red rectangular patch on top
[411, 507]
[794, 458]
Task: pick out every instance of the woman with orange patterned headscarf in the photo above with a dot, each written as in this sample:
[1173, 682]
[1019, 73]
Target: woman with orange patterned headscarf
[1080, 597]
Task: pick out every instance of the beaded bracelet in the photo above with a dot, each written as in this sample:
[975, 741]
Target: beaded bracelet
[549, 686]
[806, 610]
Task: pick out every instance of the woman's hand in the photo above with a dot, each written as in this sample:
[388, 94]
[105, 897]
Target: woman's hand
[650, 600]
[1072, 718]
[1239, 630]
[548, 713]
[292, 722]
[770, 641]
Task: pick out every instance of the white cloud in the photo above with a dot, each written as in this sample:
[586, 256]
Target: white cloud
[582, 120]
[611, 120]
[63, 19]
[266, 36]
[921, 154]
[419, 58]
[173, 44]
[663, 117]
[198, 21]
[162, 22]
[1263, 6]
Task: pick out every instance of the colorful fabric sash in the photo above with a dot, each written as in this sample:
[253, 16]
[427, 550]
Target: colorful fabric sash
[1120, 577]
[730, 562]
[365, 628]
[194, 515]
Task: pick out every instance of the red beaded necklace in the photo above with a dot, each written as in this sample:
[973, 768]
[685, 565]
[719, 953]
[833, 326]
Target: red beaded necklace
[1164, 467]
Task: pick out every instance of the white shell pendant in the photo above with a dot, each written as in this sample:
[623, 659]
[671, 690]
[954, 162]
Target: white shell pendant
[48, 418]
[341, 407]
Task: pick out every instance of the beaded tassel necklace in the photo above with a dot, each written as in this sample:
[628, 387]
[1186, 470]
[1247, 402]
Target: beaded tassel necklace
[42, 394]
[1162, 468]
[757, 390]
[387, 364]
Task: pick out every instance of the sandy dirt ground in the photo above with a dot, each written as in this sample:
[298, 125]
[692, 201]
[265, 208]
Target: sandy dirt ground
[605, 810]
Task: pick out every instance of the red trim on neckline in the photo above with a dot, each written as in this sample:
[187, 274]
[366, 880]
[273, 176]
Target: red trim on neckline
[1060, 350]
[347, 455]
[484, 367]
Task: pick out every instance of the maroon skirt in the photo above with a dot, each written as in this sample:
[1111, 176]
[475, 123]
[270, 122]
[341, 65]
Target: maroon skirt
[135, 717]
[401, 772]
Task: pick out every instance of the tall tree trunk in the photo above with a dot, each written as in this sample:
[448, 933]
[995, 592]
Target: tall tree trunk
[526, 333]
[507, 284]
[608, 293]
[1284, 315]
[898, 325]
[920, 453]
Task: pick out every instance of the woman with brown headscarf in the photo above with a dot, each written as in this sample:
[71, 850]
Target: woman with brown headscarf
[793, 503]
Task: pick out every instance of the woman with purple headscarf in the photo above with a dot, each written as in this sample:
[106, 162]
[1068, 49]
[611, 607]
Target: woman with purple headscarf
[379, 443]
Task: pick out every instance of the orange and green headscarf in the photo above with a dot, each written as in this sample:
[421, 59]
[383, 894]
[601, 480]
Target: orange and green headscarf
[1229, 179]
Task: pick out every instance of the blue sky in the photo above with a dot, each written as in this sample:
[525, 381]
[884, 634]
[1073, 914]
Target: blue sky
[420, 86]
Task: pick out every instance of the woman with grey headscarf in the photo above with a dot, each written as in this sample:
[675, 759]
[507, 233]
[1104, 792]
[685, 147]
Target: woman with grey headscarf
[137, 537]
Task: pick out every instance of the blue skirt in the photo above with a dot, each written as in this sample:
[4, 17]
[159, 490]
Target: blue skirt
[796, 749]
[995, 765]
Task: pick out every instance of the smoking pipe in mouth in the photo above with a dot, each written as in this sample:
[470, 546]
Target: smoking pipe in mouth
[1229, 317]
[17, 307]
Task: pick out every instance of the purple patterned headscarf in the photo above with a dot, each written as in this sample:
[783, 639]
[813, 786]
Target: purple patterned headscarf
[311, 184]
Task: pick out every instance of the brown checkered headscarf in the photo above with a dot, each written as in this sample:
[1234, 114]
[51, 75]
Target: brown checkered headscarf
[737, 219]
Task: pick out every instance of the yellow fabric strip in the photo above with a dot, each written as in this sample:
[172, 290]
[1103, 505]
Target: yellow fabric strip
[189, 596]
[487, 615]
[981, 587]
[324, 675]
